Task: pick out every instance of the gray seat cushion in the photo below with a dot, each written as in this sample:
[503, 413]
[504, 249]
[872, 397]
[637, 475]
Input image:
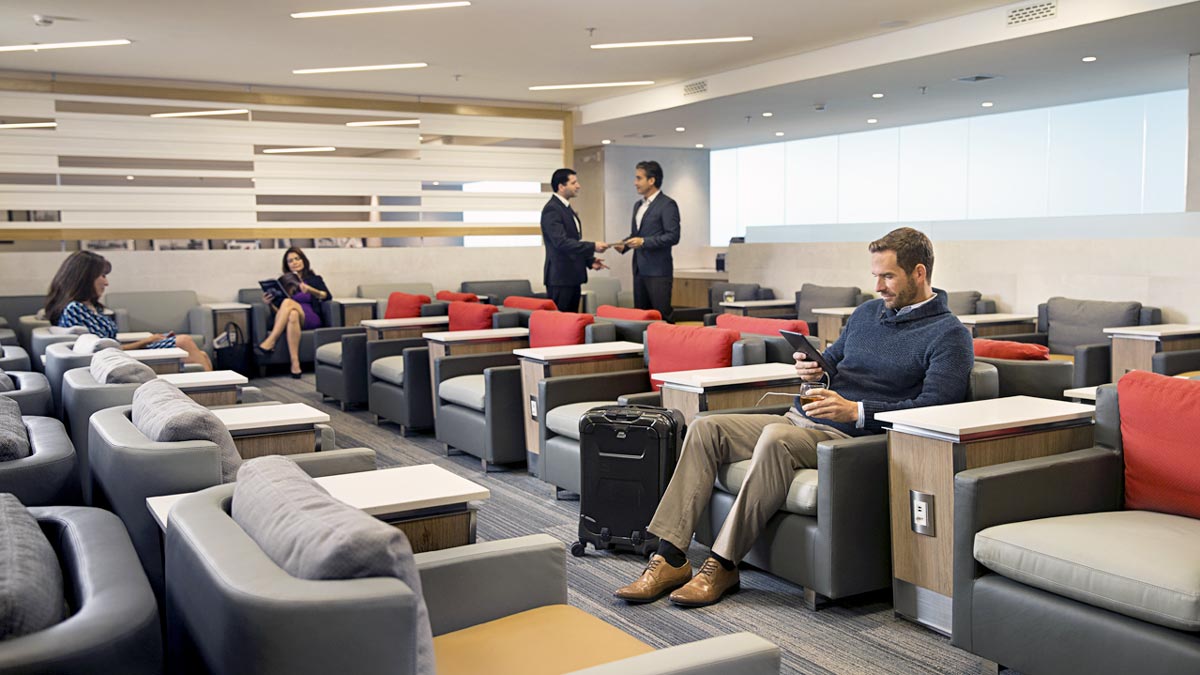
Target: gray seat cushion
[113, 366]
[963, 302]
[311, 535]
[564, 420]
[1138, 563]
[163, 413]
[389, 369]
[466, 390]
[14, 439]
[6, 382]
[31, 582]
[8, 336]
[330, 353]
[1070, 323]
[801, 496]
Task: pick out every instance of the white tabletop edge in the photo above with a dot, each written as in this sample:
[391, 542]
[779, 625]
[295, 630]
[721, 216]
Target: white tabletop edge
[991, 415]
[409, 321]
[474, 335]
[577, 351]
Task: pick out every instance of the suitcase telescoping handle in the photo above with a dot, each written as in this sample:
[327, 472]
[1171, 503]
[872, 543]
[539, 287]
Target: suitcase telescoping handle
[628, 413]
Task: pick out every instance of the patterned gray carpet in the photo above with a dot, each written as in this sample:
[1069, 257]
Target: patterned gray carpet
[856, 637]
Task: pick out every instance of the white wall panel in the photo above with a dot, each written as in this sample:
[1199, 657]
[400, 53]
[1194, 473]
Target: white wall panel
[502, 127]
[50, 198]
[254, 133]
[761, 182]
[1095, 157]
[1164, 182]
[10, 163]
[867, 172]
[812, 180]
[1008, 165]
[724, 196]
[933, 171]
[24, 105]
[172, 218]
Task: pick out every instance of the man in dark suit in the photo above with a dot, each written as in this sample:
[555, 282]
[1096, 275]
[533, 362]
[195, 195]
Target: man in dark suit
[568, 256]
[655, 230]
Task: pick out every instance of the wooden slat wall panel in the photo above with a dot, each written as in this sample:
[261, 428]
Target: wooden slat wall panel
[16, 105]
[492, 126]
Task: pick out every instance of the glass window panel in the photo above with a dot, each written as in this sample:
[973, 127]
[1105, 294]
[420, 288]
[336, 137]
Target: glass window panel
[723, 197]
[933, 171]
[1007, 170]
[760, 183]
[812, 181]
[1095, 157]
[1164, 181]
[867, 169]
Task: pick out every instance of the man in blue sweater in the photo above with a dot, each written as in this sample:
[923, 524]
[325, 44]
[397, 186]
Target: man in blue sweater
[903, 350]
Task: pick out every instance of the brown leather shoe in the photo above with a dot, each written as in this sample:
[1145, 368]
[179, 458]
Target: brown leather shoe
[709, 585]
[658, 579]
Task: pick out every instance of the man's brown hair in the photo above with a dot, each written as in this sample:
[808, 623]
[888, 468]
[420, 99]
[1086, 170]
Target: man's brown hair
[912, 248]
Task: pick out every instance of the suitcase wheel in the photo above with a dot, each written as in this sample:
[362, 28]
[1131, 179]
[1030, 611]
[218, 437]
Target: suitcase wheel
[605, 536]
[636, 539]
[578, 549]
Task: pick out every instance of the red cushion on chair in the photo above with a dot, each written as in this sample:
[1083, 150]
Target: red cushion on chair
[673, 348]
[451, 296]
[1160, 425]
[551, 329]
[519, 302]
[1017, 351]
[611, 312]
[471, 315]
[405, 305]
[760, 326]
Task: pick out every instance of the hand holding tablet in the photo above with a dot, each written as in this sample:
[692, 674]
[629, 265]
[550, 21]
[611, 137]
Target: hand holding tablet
[800, 343]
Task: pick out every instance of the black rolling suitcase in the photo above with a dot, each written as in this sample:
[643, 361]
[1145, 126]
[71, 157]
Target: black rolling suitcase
[626, 456]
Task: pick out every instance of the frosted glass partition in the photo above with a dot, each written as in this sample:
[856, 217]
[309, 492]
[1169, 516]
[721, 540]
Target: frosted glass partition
[1115, 156]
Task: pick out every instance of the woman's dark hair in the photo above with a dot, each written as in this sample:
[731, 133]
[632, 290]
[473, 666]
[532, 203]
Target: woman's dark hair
[75, 281]
[306, 272]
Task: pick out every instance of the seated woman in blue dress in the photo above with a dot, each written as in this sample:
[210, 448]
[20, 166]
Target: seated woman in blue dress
[300, 311]
[74, 300]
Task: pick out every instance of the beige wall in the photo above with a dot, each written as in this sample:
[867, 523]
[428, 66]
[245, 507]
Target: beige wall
[1193, 174]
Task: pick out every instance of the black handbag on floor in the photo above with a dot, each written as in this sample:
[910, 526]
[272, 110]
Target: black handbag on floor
[231, 351]
[627, 456]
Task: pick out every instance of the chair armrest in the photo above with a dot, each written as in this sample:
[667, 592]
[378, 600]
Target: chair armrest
[32, 394]
[200, 322]
[1033, 338]
[557, 391]
[378, 349]
[688, 314]
[326, 438]
[506, 319]
[324, 336]
[469, 585]
[625, 299]
[470, 364]
[504, 402]
[588, 301]
[1083, 481]
[250, 395]
[600, 332]
[710, 319]
[540, 294]
[1174, 363]
[749, 351]
[336, 462]
[48, 475]
[854, 532]
[651, 398]
[741, 653]
[260, 315]
[985, 307]
[121, 316]
[1093, 365]
[435, 308]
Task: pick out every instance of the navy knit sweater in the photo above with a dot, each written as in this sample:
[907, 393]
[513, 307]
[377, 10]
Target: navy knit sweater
[896, 362]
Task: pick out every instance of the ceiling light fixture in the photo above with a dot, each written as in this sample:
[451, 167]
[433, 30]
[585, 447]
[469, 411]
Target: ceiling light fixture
[128, 177]
[29, 125]
[378, 10]
[768, 114]
[383, 123]
[594, 85]
[778, 133]
[351, 69]
[671, 43]
[605, 141]
[281, 151]
[699, 145]
[1088, 59]
[872, 121]
[64, 45]
[986, 104]
[877, 95]
[681, 129]
[202, 113]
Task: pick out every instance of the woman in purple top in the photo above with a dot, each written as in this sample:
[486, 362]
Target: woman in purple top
[74, 300]
[300, 311]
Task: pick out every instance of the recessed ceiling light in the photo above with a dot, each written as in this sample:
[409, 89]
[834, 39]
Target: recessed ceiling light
[671, 43]
[437, 182]
[350, 69]
[383, 123]
[778, 133]
[699, 145]
[378, 10]
[872, 121]
[1088, 59]
[877, 95]
[29, 125]
[594, 85]
[768, 114]
[63, 45]
[128, 177]
[605, 141]
[986, 104]
[420, 138]
[202, 113]
[281, 151]
[681, 129]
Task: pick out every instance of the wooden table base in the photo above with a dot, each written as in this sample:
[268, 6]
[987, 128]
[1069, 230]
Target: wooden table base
[213, 397]
[1137, 354]
[162, 367]
[726, 398]
[285, 443]
[989, 329]
[438, 531]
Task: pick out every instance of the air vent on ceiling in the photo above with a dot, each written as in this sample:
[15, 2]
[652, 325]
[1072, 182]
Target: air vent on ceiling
[1035, 12]
[969, 79]
[697, 87]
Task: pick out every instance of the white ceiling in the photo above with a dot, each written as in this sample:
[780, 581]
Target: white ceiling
[499, 47]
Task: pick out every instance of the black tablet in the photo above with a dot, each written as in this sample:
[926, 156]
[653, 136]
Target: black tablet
[273, 288]
[800, 342]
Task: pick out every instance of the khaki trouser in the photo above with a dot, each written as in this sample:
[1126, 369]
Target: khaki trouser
[776, 446]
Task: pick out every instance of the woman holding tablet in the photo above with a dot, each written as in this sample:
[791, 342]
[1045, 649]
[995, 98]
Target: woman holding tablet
[301, 310]
[74, 300]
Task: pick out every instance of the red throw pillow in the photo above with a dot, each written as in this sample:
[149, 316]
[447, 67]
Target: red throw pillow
[611, 312]
[405, 305]
[471, 315]
[518, 302]
[1160, 422]
[451, 296]
[551, 329]
[673, 348]
[760, 326]
[1004, 349]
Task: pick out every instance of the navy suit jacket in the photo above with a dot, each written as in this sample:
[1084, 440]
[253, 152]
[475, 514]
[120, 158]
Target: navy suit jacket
[659, 231]
[568, 256]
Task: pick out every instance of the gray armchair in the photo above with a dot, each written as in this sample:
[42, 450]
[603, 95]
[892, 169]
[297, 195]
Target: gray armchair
[60, 358]
[42, 337]
[617, 330]
[113, 627]
[813, 296]
[32, 393]
[25, 327]
[14, 308]
[479, 406]
[1074, 332]
[1035, 630]
[498, 290]
[46, 477]
[716, 295]
[163, 311]
[400, 389]
[341, 364]
[221, 578]
[15, 358]
[380, 293]
[262, 318]
[126, 468]
[8, 336]
[1041, 379]
[963, 303]
[1184, 363]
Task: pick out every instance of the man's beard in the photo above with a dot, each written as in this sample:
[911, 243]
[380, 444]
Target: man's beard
[904, 297]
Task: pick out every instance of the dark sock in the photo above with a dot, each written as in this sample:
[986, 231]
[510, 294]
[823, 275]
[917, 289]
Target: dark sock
[727, 564]
[675, 557]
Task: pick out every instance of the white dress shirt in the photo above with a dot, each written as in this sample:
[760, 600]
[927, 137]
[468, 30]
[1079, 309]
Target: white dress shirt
[567, 204]
[644, 207]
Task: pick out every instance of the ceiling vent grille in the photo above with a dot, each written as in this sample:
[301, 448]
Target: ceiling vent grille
[1036, 12]
[971, 79]
[697, 87]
